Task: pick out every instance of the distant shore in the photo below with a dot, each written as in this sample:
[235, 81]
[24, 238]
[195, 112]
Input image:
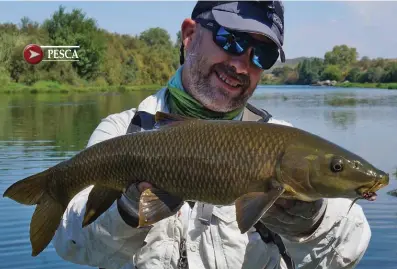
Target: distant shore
[55, 87]
[390, 86]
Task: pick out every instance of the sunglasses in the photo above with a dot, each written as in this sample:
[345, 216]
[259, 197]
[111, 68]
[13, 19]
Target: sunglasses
[264, 55]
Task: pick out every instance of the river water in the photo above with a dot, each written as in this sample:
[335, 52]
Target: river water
[38, 131]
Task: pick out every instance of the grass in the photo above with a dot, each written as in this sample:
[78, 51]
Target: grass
[55, 87]
[390, 86]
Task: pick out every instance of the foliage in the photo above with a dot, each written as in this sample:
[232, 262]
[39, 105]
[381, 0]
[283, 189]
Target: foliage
[105, 59]
[340, 65]
[332, 72]
[341, 56]
[117, 60]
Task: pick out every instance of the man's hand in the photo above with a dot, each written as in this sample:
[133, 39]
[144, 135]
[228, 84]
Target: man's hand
[294, 217]
[128, 204]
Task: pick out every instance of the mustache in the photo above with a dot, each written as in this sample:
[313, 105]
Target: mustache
[230, 71]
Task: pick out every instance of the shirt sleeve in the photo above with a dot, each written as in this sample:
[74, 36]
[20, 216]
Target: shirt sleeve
[108, 242]
[339, 242]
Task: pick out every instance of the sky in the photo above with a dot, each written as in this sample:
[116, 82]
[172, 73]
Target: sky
[311, 27]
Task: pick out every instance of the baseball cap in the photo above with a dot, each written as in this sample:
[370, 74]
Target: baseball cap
[261, 17]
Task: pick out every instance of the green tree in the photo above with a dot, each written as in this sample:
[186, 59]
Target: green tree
[29, 26]
[156, 37]
[374, 74]
[390, 74]
[353, 74]
[310, 70]
[341, 55]
[379, 62]
[284, 74]
[75, 29]
[332, 72]
[365, 62]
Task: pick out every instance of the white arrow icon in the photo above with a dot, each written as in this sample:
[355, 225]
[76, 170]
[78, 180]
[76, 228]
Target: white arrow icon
[33, 54]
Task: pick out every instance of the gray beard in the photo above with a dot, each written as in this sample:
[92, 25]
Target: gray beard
[200, 88]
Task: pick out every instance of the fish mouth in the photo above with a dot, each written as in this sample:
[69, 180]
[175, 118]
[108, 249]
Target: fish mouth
[369, 193]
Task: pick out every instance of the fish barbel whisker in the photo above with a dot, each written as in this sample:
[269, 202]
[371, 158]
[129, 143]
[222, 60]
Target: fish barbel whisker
[354, 201]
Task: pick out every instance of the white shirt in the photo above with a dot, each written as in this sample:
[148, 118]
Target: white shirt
[339, 242]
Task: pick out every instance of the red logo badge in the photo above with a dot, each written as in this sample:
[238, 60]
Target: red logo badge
[33, 54]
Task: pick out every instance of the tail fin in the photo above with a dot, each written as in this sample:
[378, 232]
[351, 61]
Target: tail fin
[48, 213]
[28, 191]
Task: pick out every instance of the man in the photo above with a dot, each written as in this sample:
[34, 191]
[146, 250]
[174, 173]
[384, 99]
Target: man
[227, 45]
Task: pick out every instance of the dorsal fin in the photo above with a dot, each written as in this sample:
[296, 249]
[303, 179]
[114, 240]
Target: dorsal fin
[163, 118]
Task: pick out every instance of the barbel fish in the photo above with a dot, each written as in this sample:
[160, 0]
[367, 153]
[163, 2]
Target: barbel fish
[248, 164]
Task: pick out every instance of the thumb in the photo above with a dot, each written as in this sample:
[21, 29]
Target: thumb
[144, 186]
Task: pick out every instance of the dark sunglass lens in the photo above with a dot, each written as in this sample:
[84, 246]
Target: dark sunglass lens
[265, 57]
[230, 42]
[256, 61]
[238, 48]
[222, 36]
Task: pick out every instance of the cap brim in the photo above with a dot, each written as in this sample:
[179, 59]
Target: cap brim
[236, 22]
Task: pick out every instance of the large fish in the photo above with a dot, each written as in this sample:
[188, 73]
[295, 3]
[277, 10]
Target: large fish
[220, 162]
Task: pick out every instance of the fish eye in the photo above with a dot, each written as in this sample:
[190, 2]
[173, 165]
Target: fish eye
[336, 165]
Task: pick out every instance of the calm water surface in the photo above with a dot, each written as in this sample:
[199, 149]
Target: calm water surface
[38, 131]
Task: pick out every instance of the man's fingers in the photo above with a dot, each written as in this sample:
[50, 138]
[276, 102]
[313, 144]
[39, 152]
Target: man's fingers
[285, 203]
[144, 186]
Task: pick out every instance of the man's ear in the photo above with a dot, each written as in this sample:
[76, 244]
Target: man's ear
[188, 30]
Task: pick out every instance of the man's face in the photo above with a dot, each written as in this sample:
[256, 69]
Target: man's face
[220, 81]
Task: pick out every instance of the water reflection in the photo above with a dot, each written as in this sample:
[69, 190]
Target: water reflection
[68, 120]
[341, 119]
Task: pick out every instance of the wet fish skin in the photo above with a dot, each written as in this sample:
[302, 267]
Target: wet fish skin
[218, 162]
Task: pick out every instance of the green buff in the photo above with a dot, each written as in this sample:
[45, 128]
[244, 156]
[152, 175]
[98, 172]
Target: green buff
[180, 102]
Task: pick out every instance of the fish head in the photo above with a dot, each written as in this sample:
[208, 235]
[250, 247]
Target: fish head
[312, 168]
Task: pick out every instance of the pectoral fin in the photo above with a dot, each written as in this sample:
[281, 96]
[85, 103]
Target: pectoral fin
[99, 200]
[251, 207]
[155, 205]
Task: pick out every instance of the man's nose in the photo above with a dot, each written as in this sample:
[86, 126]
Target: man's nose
[241, 62]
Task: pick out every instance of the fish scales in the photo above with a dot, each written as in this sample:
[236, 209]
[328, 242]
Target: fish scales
[188, 157]
[218, 162]
[200, 153]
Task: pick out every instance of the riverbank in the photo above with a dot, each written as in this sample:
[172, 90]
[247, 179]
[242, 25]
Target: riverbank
[390, 86]
[55, 87]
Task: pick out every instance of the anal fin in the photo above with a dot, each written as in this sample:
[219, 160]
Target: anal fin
[155, 205]
[99, 200]
[251, 207]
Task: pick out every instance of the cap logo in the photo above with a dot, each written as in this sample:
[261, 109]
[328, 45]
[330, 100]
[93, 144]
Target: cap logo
[277, 21]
